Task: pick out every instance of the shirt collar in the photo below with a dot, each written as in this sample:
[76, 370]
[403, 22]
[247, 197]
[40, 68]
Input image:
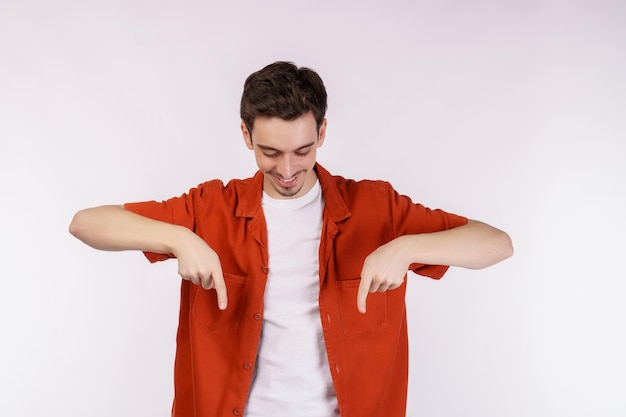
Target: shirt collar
[334, 203]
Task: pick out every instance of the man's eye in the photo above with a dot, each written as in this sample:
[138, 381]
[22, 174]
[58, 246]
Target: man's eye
[271, 155]
[303, 153]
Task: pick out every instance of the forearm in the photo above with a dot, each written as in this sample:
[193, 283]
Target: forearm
[115, 228]
[475, 245]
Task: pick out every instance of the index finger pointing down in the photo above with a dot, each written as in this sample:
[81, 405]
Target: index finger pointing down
[361, 297]
[220, 288]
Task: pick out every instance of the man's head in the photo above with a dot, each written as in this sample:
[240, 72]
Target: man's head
[282, 112]
[285, 91]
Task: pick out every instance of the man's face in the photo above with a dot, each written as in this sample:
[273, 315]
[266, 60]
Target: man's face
[285, 152]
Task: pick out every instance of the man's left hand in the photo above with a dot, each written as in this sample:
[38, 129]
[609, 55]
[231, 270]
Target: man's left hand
[384, 269]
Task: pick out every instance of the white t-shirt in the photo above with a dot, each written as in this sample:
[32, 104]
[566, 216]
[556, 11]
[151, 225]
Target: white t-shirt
[292, 376]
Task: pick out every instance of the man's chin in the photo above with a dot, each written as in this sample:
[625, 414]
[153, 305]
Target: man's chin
[288, 192]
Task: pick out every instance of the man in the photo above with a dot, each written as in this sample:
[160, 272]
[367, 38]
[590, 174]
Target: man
[292, 299]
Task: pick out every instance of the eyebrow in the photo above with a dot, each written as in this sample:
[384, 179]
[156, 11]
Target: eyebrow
[269, 148]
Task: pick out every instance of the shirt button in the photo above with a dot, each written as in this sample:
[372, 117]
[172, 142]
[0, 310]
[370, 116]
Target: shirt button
[247, 366]
[237, 412]
[257, 316]
[266, 270]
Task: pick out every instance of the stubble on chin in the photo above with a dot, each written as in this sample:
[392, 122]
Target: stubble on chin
[288, 192]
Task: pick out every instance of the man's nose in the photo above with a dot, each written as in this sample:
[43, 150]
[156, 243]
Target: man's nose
[286, 168]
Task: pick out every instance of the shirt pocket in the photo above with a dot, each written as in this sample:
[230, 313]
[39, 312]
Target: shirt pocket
[205, 308]
[354, 323]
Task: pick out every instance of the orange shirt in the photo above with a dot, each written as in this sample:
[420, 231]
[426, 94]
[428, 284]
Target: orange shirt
[367, 353]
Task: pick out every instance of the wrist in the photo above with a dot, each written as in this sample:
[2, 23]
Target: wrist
[405, 247]
[177, 238]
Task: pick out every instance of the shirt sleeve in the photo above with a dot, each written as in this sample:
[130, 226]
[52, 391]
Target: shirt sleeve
[178, 210]
[411, 218]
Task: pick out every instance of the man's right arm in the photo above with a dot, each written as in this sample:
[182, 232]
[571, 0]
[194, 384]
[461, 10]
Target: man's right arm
[114, 228]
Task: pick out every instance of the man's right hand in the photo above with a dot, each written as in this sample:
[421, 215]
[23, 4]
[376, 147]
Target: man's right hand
[200, 264]
[115, 228]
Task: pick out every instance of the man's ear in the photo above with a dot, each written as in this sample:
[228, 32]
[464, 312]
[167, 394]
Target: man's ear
[321, 133]
[247, 136]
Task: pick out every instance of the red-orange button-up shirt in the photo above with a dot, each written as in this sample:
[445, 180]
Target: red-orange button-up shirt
[367, 353]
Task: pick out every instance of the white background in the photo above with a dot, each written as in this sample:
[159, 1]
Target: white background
[511, 112]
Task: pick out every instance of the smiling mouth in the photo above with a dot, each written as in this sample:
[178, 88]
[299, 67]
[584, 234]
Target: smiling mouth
[287, 182]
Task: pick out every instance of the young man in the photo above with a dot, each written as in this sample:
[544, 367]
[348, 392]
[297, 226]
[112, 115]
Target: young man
[293, 281]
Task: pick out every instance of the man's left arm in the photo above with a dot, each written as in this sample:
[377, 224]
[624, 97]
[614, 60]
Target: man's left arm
[474, 245]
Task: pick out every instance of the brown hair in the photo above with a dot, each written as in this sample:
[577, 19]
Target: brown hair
[283, 90]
